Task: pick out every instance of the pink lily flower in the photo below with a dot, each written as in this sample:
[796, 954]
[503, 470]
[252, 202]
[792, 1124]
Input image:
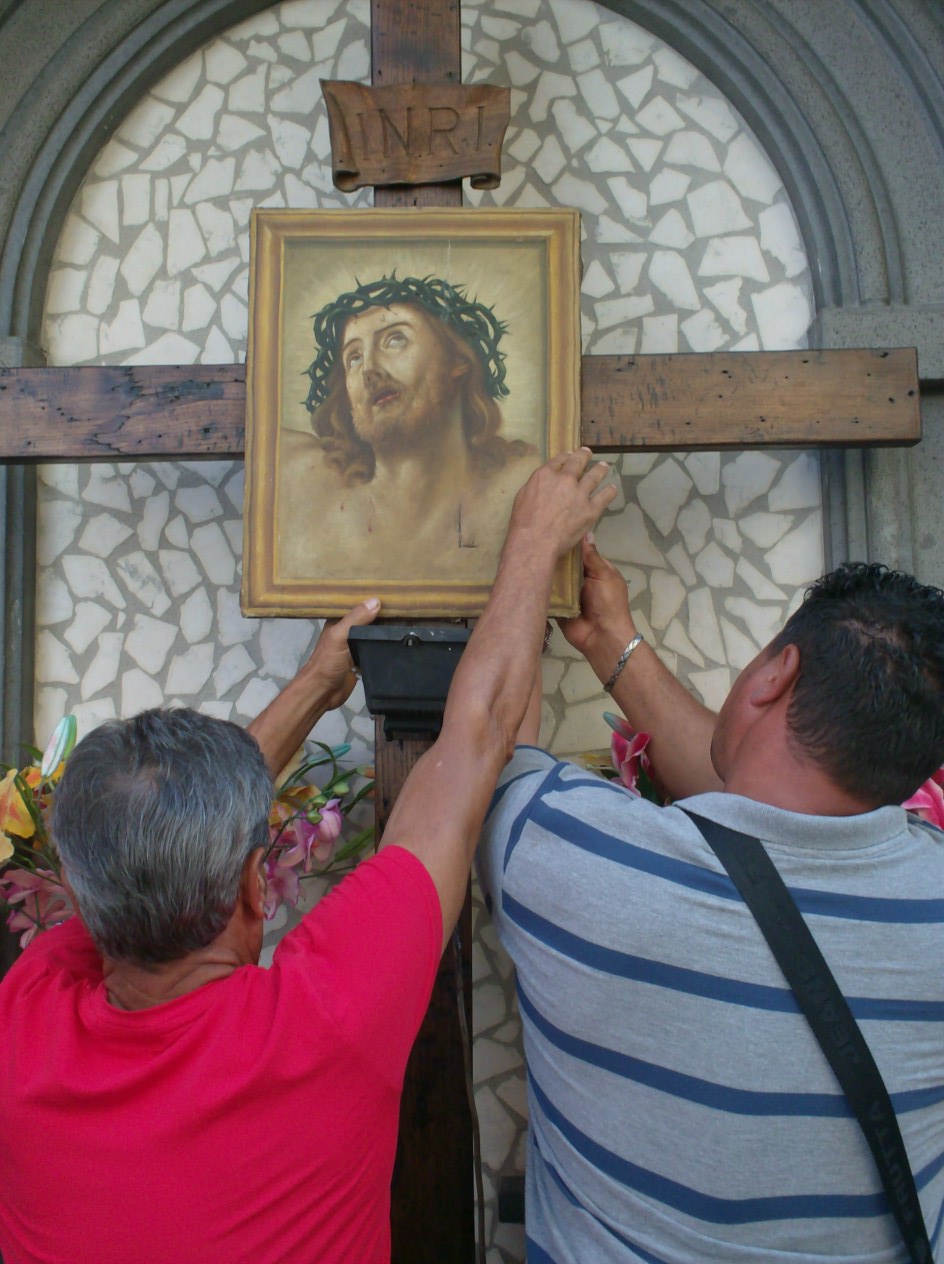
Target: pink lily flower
[928, 800]
[281, 885]
[42, 897]
[628, 752]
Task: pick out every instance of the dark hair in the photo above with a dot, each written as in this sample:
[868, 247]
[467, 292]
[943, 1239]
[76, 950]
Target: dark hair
[154, 818]
[353, 458]
[869, 697]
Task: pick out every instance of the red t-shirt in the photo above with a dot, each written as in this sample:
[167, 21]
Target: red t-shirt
[252, 1120]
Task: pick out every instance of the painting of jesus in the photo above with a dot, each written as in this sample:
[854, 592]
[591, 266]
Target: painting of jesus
[427, 406]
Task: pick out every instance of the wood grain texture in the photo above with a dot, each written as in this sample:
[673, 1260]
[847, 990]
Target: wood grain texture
[104, 413]
[417, 41]
[432, 1201]
[750, 399]
[659, 402]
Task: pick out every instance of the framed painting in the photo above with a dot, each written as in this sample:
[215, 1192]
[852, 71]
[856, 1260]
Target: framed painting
[407, 371]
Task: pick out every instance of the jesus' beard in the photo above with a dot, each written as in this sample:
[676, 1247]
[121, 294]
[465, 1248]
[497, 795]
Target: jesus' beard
[416, 414]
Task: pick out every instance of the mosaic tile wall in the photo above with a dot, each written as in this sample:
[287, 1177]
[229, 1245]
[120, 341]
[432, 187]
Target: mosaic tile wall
[689, 245]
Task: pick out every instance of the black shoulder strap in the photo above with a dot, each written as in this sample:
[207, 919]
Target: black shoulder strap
[818, 995]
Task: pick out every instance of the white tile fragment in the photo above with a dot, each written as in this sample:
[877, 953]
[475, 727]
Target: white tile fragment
[669, 273]
[663, 492]
[152, 521]
[125, 332]
[765, 529]
[694, 523]
[185, 244]
[750, 171]
[712, 113]
[215, 179]
[196, 616]
[179, 570]
[541, 40]
[659, 335]
[668, 593]
[715, 209]
[99, 205]
[624, 43]
[676, 639]
[671, 230]
[691, 149]
[180, 84]
[190, 671]
[659, 117]
[162, 308]
[762, 622]
[103, 534]
[54, 602]
[783, 315]
[90, 619]
[65, 290]
[724, 296]
[149, 642]
[199, 118]
[103, 669]
[139, 692]
[758, 583]
[53, 663]
[780, 237]
[702, 332]
[209, 544]
[143, 261]
[715, 566]
[635, 87]
[739, 649]
[106, 488]
[668, 186]
[734, 256]
[703, 626]
[799, 486]
[198, 504]
[797, 558]
[143, 582]
[233, 668]
[745, 478]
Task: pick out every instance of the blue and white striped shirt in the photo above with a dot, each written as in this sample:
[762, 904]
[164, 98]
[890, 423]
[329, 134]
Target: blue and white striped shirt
[680, 1108]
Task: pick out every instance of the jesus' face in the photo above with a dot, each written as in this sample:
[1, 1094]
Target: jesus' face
[400, 376]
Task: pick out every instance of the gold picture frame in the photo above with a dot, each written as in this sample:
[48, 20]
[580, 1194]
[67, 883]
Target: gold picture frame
[407, 369]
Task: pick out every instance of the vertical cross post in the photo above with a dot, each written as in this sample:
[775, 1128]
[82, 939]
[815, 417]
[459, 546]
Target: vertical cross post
[417, 41]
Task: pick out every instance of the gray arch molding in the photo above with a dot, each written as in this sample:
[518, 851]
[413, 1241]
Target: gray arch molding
[73, 69]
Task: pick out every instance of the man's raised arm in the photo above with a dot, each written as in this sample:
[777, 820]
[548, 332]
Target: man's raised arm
[439, 811]
[323, 682]
[646, 692]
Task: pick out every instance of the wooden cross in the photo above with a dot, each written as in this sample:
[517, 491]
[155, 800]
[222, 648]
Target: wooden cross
[651, 403]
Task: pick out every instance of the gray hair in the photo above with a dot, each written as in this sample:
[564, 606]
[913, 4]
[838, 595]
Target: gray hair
[154, 818]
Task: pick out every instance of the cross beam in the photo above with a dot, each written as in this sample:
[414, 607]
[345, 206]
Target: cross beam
[645, 402]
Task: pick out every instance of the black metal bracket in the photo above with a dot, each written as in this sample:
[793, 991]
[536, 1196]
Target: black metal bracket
[406, 671]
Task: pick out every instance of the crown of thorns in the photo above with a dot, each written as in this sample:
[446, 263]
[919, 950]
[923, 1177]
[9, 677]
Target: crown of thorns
[475, 322]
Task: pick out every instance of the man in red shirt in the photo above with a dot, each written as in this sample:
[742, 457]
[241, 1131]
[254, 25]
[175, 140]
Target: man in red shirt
[162, 1098]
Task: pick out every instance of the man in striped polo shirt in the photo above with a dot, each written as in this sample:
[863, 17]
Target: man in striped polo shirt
[680, 1107]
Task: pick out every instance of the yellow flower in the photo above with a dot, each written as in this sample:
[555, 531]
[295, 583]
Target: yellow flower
[14, 814]
[6, 849]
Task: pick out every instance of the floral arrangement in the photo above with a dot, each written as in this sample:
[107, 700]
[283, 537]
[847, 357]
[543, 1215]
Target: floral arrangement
[307, 836]
[632, 766]
[307, 822]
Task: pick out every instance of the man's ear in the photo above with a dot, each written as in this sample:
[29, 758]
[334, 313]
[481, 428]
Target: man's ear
[253, 886]
[776, 676]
